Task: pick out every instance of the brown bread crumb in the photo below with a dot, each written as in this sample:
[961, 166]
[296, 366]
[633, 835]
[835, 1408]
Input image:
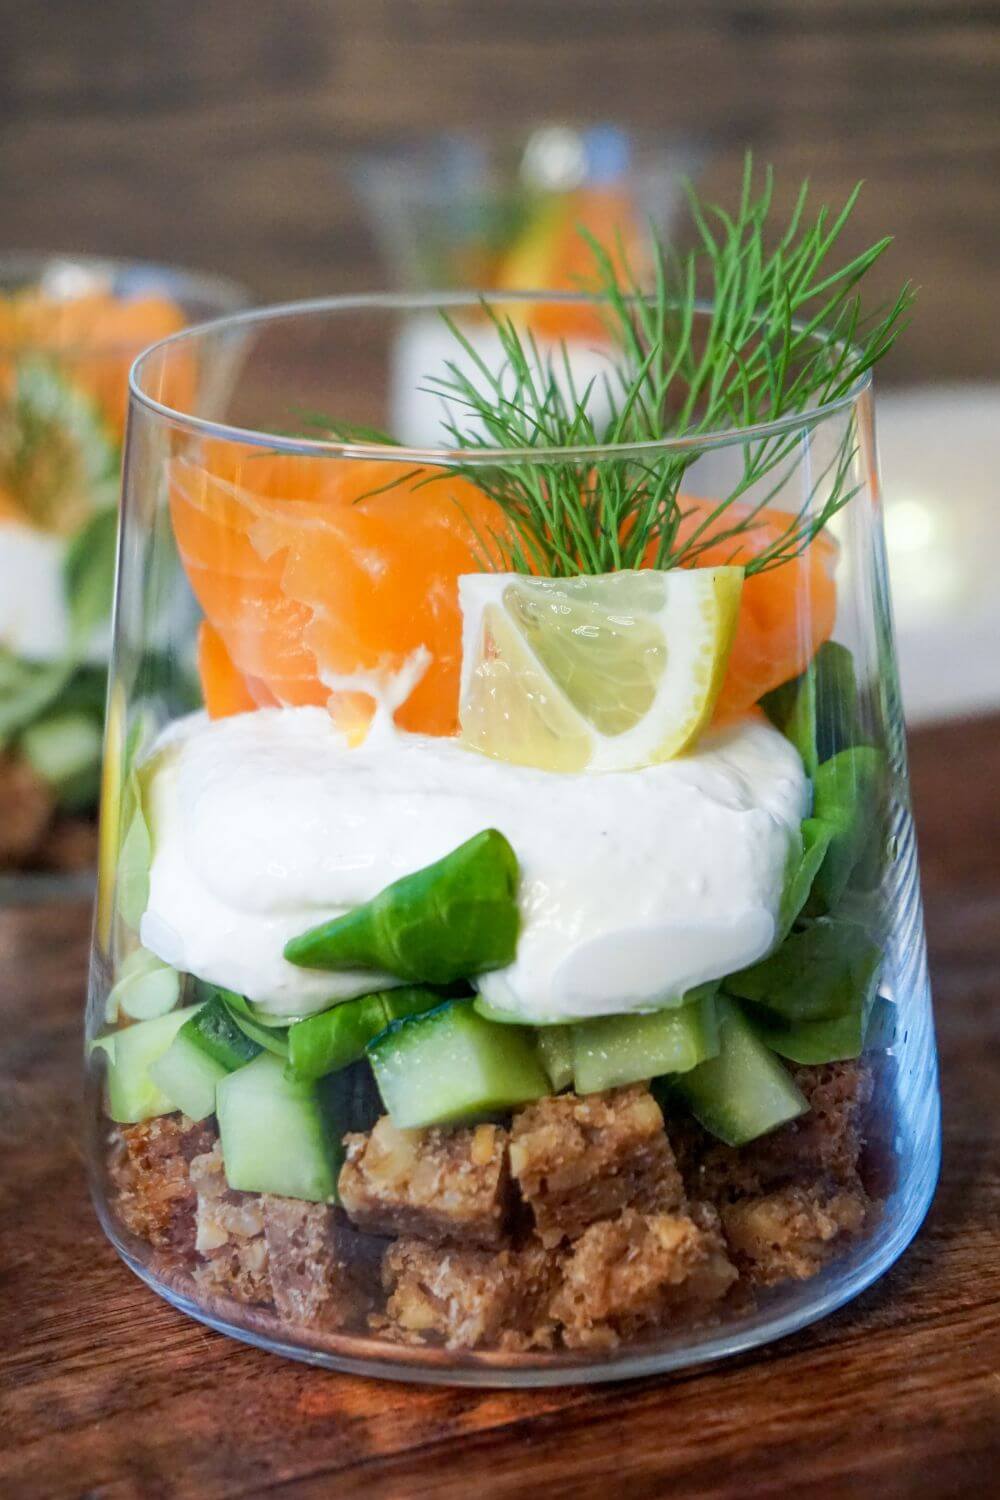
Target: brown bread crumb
[471, 1297]
[150, 1168]
[639, 1273]
[792, 1231]
[324, 1274]
[581, 1159]
[437, 1184]
[826, 1143]
[230, 1234]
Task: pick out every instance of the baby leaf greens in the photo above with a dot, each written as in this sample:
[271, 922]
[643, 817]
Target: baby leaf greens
[817, 974]
[847, 791]
[335, 1038]
[810, 999]
[818, 711]
[452, 919]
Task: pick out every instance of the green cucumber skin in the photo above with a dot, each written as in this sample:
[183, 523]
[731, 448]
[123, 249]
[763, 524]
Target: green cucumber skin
[615, 1050]
[450, 1066]
[445, 922]
[270, 1038]
[745, 1091]
[279, 1135]
[335, 1038]
[213, 1031]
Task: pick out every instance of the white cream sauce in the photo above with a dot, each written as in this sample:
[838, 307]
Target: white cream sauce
[635, 886]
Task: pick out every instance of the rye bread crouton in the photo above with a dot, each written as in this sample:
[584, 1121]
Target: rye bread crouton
[823, 1145]
[468, 1297]
[578, 1159]
[440, 1185]
[230, 1235]
[792, 1231]
[324, 1274]
[639, 1273]
[150, 1167]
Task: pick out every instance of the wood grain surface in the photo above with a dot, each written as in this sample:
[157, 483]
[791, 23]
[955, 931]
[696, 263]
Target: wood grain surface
[221, 133]
[107, 1392]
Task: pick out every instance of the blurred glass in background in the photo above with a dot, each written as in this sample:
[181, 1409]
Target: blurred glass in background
[512, 213]
[70, 328]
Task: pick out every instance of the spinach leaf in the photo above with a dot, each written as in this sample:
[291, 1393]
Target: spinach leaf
[327, 1042]
[848, 793]
[816, 975]
[452, 919]
[818, 711]
[816, 1042]
[801, 872]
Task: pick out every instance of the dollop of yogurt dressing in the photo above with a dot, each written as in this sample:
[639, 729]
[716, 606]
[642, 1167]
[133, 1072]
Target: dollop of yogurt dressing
[635, 885]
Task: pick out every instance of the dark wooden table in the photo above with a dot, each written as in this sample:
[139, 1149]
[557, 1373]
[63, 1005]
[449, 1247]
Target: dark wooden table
[106, 1391]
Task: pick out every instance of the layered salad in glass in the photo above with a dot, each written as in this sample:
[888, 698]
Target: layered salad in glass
[491, 959]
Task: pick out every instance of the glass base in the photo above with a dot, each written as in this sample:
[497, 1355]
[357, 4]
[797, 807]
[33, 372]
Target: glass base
[782, 1311]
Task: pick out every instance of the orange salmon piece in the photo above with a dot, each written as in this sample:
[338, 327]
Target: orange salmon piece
[786, 613]
[309, 577]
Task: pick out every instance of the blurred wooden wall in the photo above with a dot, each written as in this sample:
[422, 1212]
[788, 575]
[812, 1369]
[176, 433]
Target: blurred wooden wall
[215, 132]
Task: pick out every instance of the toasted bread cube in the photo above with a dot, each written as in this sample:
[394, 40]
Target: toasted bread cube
[230, 1235]
[641, 1272]
[469, 1297]
[324, 1274]
[792, 1231]
[439, 1184]
[823, 1145]
[150, 1167]
[579, 1160]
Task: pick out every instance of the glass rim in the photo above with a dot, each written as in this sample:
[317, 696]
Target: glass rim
[230, 295]
[445, 457]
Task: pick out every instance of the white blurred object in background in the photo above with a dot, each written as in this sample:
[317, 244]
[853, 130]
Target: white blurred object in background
[940, 462]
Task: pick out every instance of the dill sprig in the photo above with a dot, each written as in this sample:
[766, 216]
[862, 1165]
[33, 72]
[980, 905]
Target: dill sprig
[751, 325]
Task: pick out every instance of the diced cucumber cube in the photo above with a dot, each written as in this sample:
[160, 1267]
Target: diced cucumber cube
[208, 1047]
[555, 1047]
[615, 1050]
[278, 1135]
[188, 1077]
[133, 1094]
[214, 1032]
[743, 1092]
[450, 1065]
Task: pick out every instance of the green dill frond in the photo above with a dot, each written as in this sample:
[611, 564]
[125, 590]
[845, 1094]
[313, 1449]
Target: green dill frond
[783, 332]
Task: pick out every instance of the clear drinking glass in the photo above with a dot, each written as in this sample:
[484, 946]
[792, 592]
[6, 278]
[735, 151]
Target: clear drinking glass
[440, 1156]
[70, 327]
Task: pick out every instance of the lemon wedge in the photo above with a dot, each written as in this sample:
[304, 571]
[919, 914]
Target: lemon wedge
[598, 673]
